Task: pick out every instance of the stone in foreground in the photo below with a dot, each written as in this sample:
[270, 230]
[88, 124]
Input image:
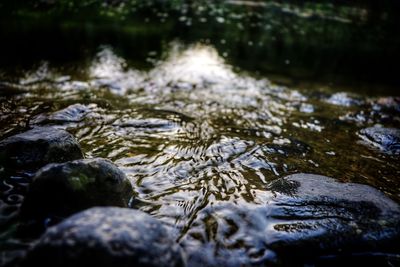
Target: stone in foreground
[304, 219]
[38, 147]
[106, 237]
[59, 190]
[386, 139]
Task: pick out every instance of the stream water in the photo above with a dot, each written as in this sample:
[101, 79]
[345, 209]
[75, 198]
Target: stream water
[196, 113]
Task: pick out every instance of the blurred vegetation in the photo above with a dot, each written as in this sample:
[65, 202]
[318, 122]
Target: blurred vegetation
[332, 41]
[367, 10]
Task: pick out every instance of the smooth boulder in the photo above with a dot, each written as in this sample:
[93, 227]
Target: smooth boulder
[106, 237]
[318, 212]
[302, 219]
[38, 147]
[386, 139]
[59, 190]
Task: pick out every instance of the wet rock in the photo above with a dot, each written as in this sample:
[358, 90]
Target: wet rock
[72, 113]
[38, 147]
[106, 237]
[318, 211]
[312, 218]
[389, 103]
[59, 190]
[360, 117]
[386, 139]
[343, 99]
[306, 108]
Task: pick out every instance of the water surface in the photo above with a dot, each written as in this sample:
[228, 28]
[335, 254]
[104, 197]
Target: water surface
[199, 110]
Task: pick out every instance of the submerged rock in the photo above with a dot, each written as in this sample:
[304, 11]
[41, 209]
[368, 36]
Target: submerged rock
[106, 237]
[312, 218]
[38, 147]
[386, 139]
[59, 190]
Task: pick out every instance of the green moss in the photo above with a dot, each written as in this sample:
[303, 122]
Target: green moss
[80, 181]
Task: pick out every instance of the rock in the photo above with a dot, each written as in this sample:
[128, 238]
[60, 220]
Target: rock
[38, 147]
[343, 99]
[106, 237]
[72, 113]
[389, 103]
[59, 190]
[386, 139]
[317, 211]
[306, 108]
[304, 219]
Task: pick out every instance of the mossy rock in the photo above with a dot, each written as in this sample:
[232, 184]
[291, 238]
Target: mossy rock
[59, 190]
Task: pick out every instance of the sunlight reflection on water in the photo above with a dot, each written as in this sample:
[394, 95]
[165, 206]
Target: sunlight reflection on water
[193, 132]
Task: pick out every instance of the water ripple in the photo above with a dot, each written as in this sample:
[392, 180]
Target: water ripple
[192, 132]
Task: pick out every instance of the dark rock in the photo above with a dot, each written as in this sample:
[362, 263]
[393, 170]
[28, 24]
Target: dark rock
[316, 211]
[72, 113]
[304, 219]
[38, 147]
[106, 237]
[386, 139]
[389, 103]
[59, 190]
